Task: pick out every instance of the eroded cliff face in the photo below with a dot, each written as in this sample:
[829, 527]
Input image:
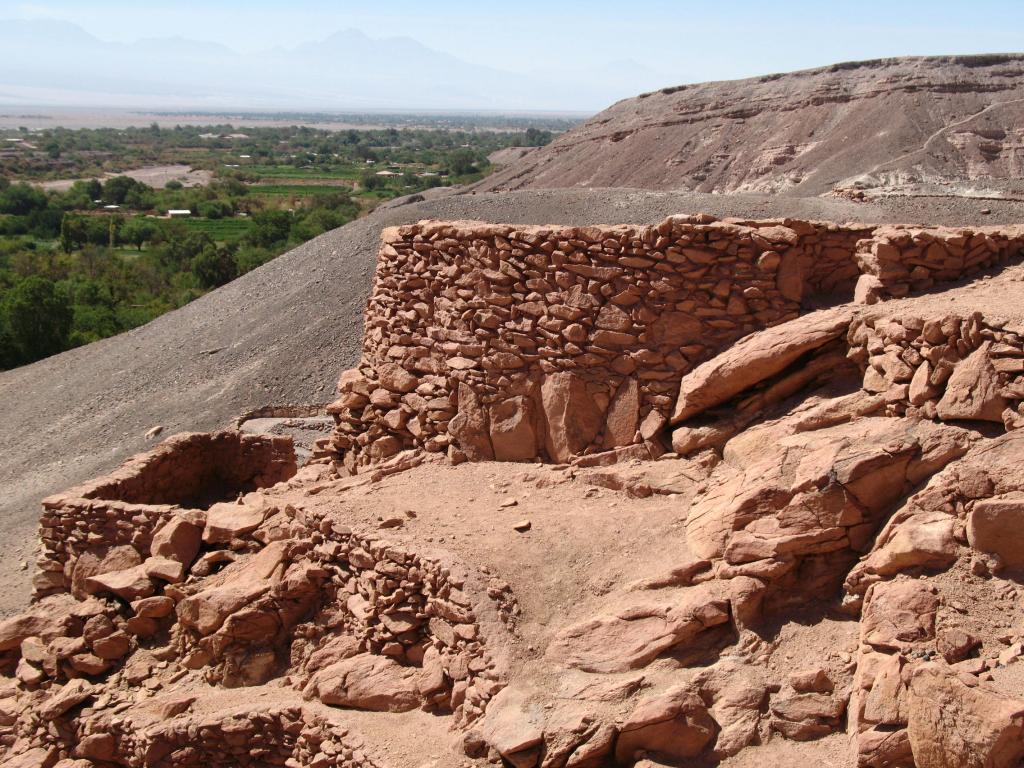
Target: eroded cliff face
[791, 534]
[946, 125]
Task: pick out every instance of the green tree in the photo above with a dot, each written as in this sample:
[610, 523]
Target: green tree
[177, 252]
[117, 189]
[463, 161]
[138, 231]
[270, 228]
[371, 181]
[38, 318]
[249, 257]
[22, 199]
[9, 354]
[73, 233]
[214, 209]
[214, 266]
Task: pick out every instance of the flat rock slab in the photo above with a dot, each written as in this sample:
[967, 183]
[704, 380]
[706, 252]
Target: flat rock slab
[754, 359]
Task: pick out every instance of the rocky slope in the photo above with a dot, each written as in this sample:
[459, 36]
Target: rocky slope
[816, 558]
[280, 335]
[950, 125]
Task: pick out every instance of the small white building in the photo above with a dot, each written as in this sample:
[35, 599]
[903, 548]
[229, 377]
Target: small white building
[178, 213]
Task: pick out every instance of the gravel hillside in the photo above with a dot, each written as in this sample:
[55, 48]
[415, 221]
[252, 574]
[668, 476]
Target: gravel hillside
[935, 125]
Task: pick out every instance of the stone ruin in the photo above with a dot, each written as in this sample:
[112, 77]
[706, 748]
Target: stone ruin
[188, 471]
[517, 343]
[846, 456]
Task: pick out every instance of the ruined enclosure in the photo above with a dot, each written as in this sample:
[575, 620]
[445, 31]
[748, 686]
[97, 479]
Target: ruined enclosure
[197, 470]
[191, 471]
[518, 343]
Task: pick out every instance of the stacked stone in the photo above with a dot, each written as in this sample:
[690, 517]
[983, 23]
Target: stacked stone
[469, 322]
[353, 620]
[127, 505]
[279, 736]
[949, 367]
[70, 527]
[896, 260]
[473, 319]
[407, 608]
[380, 599]
[281, 412]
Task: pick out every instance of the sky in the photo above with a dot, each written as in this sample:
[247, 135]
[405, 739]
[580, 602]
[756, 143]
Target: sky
[658, 41]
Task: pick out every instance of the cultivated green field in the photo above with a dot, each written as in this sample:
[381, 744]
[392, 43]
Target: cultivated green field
[221, 230]
[296, 190]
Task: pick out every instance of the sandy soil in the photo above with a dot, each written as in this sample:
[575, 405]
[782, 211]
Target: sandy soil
[156, 176]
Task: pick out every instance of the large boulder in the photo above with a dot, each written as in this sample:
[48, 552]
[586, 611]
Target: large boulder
[514, 727]
[996, 527]
[66, 697]
[130, 584]
[207, 611]
[178, 539]
[573, 418]
[973, 391]
[898, 613]
[623, 415]
[911, 539]
[49, 618]
[366, 681]
[755, 358]
[242, 584]
[226, 522]
[512, 429]
[675, 725]
[470, 426]
[953, 725]
[813, 492]
[806, 716]
[632, 636]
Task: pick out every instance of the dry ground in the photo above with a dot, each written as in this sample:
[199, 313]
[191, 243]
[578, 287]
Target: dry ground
[281, 334]
[156, 176]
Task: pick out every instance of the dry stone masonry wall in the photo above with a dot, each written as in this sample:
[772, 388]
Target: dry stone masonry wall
[948, 368]
[518, 343]
[246, 591]
[126, 506]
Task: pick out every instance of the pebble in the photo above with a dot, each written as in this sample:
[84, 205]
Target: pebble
[522, 526]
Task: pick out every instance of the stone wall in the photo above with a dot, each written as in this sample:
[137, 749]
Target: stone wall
[126, 506]
[948, 367]
[519, 343]
[898, 260]
[279, 736]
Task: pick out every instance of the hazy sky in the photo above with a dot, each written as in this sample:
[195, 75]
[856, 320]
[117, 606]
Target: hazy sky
[678, 41]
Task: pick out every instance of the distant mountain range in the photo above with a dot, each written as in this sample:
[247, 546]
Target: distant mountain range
[57, 63]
